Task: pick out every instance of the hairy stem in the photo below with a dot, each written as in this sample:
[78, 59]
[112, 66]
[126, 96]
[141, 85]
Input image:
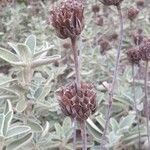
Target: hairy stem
[84, 135]
[115, 72]
[135, 105]
[146, 102]
[74, 133]
[76, 54]
[76, 60]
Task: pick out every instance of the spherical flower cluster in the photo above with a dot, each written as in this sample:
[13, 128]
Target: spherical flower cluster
[67, 19]
[134, 55]
[79, 104]
[132, 13]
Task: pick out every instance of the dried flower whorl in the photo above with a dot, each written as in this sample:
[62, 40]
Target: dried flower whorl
[145, 50]
[79, 105]
[67, 19]
[111, 2]
[134, 55]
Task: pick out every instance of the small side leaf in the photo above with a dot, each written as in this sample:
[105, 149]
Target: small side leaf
[21, 105]
[31, 43]
[8, 56]
[7, 122]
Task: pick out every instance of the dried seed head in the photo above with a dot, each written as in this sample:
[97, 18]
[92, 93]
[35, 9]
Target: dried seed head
[95, 8]
[111, 2]
[113, 36]
[67, 19]
[140, 3]
[132, 13]
[105, 45]
[99, 20]
[134, 55]
[79, 105]
[145, 50]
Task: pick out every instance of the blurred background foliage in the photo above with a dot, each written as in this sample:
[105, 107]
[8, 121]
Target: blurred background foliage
[35, 114]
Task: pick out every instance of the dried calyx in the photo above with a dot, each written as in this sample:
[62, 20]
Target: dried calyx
[67, 19]
[77, 104]
[111, 2]
[134, 55]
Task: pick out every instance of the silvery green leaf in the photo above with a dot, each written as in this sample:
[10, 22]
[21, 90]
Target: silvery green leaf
[4, 80]
[8, 107]
[42, 53]
[17, 130]
[35, 127]
[92, 124]
[59, 130]
[67, 128]
[31, 43]
[96, 135]
[127, 121]
[21, 105]
[45, 90]
[9, 90]
[8, 56]
[114, 124]
[101, 120]
[40, 62]
[113, 138]
[46, 129]
[25, 53]
[2, 119]
[7, 121]
[19, 142]
[14, 46]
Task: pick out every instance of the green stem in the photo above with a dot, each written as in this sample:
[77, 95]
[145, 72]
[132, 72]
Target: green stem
[76, 60]
[111, 93]
[74, 133]
[135, 105]
[146, 102]
[84, 135]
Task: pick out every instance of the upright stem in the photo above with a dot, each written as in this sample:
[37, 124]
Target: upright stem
[84, 135]
[74, 133]
[76, 60]
[147, 103]
[76, 55]
[115, 72]
[135, 105]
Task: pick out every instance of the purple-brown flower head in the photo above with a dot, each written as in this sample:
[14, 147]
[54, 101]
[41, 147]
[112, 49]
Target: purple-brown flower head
[134, 55]
[77, 104]
[132, 13]
[145, 50]
[67, 19]
[111, 2]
